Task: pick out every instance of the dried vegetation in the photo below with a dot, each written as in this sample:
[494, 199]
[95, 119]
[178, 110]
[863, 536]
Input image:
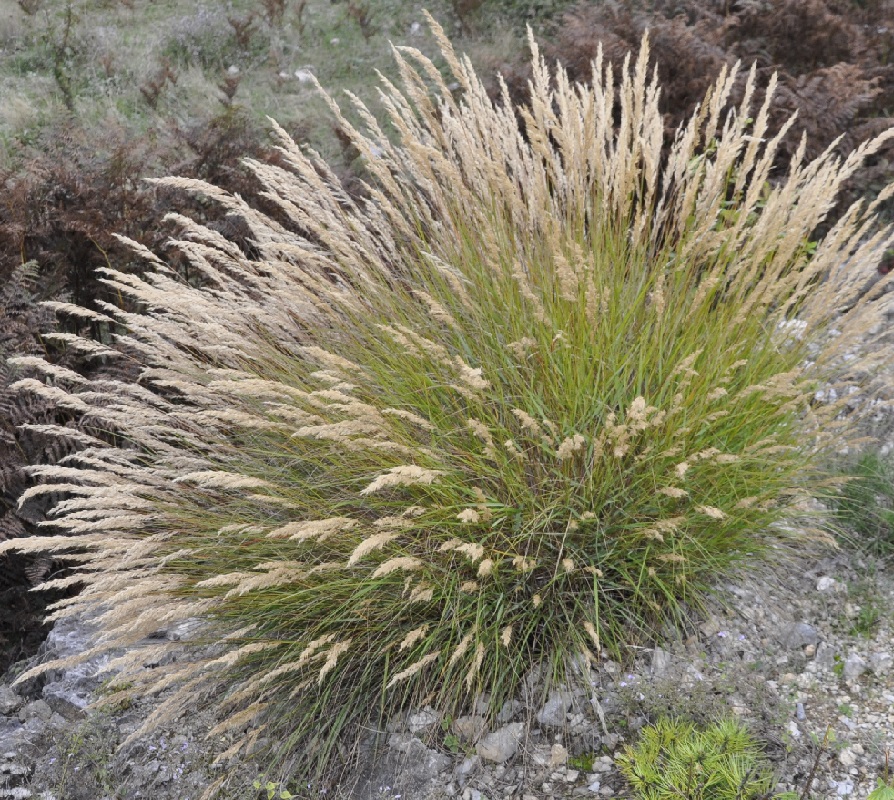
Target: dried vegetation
[833, 59]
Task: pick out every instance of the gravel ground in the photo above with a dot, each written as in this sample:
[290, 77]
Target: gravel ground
[803, 653]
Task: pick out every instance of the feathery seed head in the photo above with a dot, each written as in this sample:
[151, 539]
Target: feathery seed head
[402, 476]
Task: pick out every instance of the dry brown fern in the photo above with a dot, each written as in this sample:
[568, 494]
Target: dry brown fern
[833, 59]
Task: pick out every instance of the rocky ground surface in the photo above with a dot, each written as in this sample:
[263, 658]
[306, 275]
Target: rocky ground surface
[804, 653]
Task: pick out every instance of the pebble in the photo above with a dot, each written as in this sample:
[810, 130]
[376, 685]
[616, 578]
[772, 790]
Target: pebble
[423, 720]
[854, 667]
[844, 788]
[555, 710]
[799, 634]
[468, 767]
[881, 662]
[10, 702]
[502, 744]
[661, 661]
[469, 729]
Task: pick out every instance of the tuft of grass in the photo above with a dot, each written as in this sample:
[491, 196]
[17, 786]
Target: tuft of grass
[865, 506]
[867, 619]
[675, 759]
[272, 791]
[519, 404]
[583, 762]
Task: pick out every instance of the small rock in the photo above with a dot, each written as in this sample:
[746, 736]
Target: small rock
[827, 584]
[304, 75]
[799, 711]
[799, 634]
[397, 723]
[793, 729]
[469, 729]
[427, 763]
[844, 788]
[594, 786]
[402, 742]
[556, 709]
[611, 740]
[571, 775]
[881, 663]
[661, 662]
[502, 744]
[66, 701]
[509, 710]
[847, 757]
[10, 702]
[854, 667]
[558, 756]
[422, 720]
[540, 756]
[482, 704]
[430, 763]
[825, 656]
[38, 709]
[466, 769]
[415, 29]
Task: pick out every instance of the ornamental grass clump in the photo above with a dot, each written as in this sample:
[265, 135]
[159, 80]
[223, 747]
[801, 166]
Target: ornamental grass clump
[519, 405]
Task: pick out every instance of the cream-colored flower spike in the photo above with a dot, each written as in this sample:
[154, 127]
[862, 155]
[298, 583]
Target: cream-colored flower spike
[402, 476]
